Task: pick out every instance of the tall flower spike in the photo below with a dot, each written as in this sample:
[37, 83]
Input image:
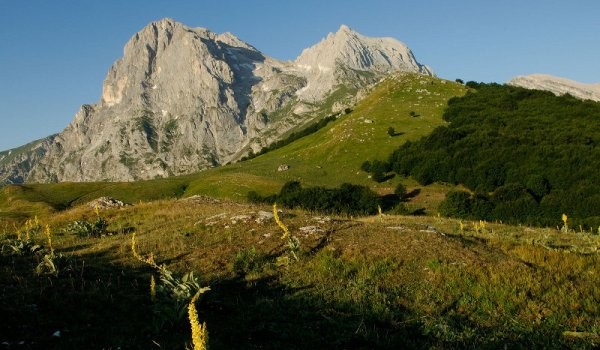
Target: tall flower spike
[49, 236]
[565, 226]
[152, 289]
[199, 332]
[133, 250]
[286, 232]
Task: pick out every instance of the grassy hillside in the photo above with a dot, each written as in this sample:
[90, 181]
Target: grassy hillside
[377, 283]
[380, 282]
[333, 155]
[411, 104]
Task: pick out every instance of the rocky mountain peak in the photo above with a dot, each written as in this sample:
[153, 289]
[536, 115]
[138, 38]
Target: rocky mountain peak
[183, 99]
[350, 50]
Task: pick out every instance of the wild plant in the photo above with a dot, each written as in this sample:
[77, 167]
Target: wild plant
[20, 247]
[32, 228]
[85, 228]
[565, 227]
[247, 260]
[199, 331]
[152, 289]
[293, 243]
[480, 227]
[48, 265]
[170, 294]
[24, 243]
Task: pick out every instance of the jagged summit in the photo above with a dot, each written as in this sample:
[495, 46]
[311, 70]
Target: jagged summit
[182, 99]
[351, 50]
[358, 51]
[558, 86]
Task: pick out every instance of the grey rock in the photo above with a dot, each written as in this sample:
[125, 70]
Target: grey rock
[283, 167]
[310, 229]
[558, 86]
[105, 203]
[184, 99]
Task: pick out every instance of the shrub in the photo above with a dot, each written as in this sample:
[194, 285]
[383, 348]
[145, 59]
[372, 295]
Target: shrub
[347, 199]
[456, 204]
[400, 191]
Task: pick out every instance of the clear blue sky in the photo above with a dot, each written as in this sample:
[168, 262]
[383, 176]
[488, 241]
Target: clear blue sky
[54, 54]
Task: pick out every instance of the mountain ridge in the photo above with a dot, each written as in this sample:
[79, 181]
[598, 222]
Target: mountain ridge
[184, 99]
[557, 85]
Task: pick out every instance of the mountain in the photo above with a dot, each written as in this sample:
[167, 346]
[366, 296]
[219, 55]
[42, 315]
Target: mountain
[184, 99]
[411, 103]
[558, 86]
[352, 54]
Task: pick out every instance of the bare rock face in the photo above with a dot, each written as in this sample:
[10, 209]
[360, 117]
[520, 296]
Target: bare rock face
[348, 55]
[558, 86]
[184, 99]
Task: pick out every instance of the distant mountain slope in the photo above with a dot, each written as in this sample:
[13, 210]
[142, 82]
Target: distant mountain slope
[331, 156]
[184, 99]
[558, 86]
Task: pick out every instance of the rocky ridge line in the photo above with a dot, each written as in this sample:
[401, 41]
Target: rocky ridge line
[184, 99]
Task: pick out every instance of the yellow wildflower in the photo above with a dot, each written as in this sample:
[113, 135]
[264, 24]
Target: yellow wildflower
[565, 226]
[28, 226]
[152, 289]
[49, 236]
[134, 251]
[199, 331]
[286, 232]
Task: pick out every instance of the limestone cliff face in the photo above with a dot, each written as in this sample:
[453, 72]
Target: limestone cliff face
[558, 86]
[348, 55]
[183, 99]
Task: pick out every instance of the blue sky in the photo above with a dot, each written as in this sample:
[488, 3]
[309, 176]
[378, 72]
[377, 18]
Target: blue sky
[55, 54]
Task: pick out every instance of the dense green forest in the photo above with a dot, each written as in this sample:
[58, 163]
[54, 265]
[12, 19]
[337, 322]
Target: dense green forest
[526, 156]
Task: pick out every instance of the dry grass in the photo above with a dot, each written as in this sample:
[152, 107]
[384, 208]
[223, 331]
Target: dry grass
[384, 282]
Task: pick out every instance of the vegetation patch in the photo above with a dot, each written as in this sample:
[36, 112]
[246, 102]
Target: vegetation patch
[145, 124]
[526, 156]
[311, 129]
[170, 133]
[347, 199]
[381, 282]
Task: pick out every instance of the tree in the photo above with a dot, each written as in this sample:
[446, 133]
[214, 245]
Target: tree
[400, 191]
[391, 131]
[456, 204]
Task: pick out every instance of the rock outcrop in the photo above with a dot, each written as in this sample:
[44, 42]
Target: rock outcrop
[184, 99]
[558, 86]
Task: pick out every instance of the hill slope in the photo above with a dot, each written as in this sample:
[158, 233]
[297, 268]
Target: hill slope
[334, 154]
[389, 282]
[329, 157]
